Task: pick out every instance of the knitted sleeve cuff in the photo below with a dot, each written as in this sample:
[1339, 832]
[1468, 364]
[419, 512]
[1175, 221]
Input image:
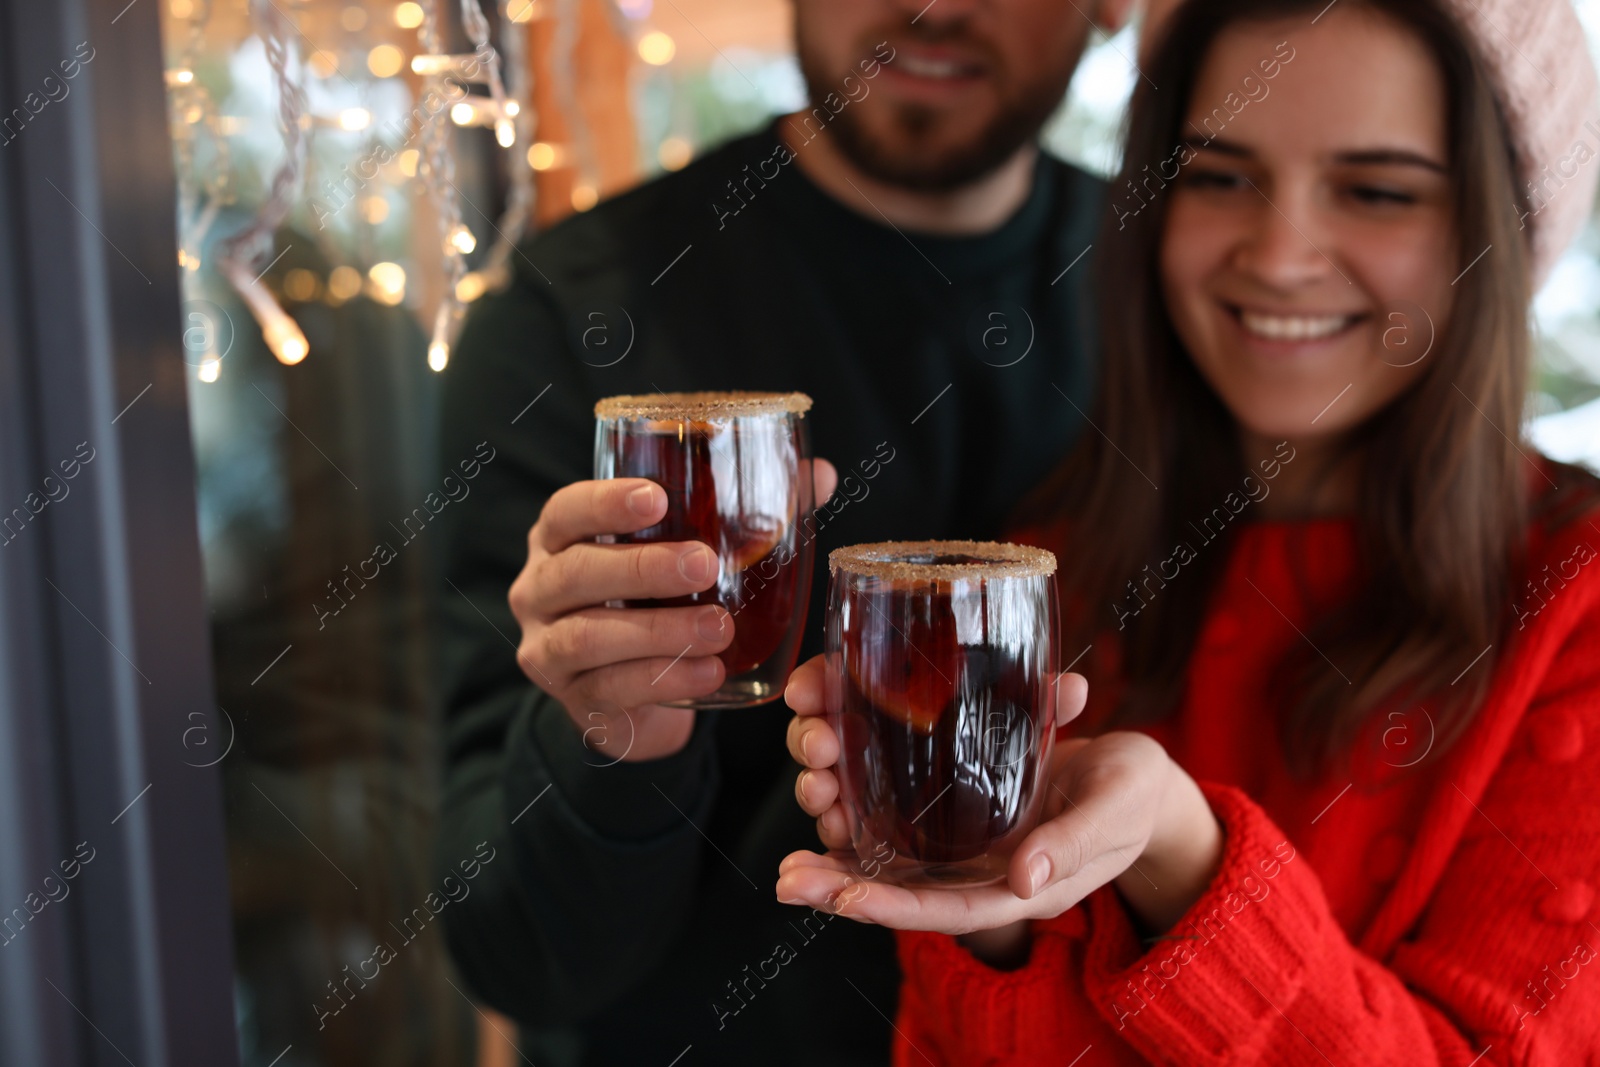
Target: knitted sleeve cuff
[1210, 990]
[985, 1012]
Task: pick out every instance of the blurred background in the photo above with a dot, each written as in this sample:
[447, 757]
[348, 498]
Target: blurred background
[316, 345]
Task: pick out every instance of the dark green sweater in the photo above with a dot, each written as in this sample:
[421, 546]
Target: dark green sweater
[629, 910]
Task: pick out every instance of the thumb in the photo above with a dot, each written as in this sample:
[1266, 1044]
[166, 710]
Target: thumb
[824, 479]
[1071, 694]
[1061, 848]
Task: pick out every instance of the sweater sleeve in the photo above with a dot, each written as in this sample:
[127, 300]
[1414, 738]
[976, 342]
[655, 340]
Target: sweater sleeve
[1495, 971]
[556, 926]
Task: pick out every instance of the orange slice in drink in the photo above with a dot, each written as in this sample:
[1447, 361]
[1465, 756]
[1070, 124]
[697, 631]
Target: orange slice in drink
[750, 546]
[906, 670]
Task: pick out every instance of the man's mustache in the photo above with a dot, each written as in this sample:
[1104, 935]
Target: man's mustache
[912, 30]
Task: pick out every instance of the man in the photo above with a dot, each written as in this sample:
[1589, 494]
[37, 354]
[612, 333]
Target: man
[903, 253]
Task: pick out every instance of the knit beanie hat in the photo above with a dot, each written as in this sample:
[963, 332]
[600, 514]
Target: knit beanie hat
[1538, 58]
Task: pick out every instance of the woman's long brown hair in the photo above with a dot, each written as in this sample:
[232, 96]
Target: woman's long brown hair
[1444, 501]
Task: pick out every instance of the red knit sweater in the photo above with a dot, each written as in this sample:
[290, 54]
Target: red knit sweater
[1440, 915]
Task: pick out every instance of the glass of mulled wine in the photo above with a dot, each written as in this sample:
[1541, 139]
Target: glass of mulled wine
[736, 467]
[941, 666]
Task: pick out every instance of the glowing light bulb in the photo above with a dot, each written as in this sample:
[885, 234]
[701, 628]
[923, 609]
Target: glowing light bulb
[505, 133]
[355, 118]
[438, 355]
[301, 285]
[584, 197]
[470, 287]
[344, 283]
[181, 76]
[210, 369]
[462, 114]
[461, 240]
[385, 61]
[281, 333]
[375, 209]
[541, 155]
[432, 64]
[675, 153]
[408, 16]
[283, 336]
[388, 283]
[513, 109]
[657, 49]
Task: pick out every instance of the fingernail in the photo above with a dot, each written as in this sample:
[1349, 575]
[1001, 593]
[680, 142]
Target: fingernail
[712, 624]
[1038, 873]
[696, 565]
[805, 781]
[805, 745]
[704, 669]
[642, 501]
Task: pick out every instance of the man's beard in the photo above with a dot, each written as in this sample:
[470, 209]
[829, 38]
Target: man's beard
[912, 157]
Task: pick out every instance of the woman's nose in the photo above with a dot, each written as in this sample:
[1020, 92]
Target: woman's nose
[1286, 246]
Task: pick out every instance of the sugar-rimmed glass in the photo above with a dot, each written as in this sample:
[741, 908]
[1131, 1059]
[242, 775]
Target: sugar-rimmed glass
[736, 469]
[941, 666]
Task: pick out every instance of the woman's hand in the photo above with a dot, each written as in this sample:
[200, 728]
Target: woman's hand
[1116, 809]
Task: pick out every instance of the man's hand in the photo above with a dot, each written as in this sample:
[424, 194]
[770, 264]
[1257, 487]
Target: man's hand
[612, 668]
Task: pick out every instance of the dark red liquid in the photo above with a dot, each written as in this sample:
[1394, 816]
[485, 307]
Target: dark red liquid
[941, 738]
[759, 582]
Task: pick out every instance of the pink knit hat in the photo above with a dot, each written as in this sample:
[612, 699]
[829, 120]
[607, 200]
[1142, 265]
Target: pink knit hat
[1538, 59]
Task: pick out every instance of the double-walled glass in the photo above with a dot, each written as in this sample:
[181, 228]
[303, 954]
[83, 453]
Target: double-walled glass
[941, 663]
[736, 468]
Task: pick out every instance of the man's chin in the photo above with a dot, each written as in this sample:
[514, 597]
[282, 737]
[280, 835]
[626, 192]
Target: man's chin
[918, 149]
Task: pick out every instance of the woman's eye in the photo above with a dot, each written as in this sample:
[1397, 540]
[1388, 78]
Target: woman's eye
[1214, 179]
[1381, 195]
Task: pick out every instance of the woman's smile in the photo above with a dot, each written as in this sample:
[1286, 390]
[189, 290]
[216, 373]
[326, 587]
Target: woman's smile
[1293, 331]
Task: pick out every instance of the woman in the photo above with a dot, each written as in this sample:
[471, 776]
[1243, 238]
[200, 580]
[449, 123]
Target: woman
[1341, 629]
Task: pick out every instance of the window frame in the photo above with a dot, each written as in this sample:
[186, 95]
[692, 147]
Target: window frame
[105, 653]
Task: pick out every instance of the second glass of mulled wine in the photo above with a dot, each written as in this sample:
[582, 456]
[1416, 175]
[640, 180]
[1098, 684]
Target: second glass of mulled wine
[941, 666]
[736, 467]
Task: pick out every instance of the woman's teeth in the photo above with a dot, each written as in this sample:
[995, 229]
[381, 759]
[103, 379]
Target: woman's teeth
[1294, 327]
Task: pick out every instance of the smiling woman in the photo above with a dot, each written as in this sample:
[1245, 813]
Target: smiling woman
[1287, 253]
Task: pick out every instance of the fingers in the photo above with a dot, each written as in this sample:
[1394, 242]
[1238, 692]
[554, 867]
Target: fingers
[824, 480]
[584, 575]
[804, 693]
[816, 791]
[646, 681]
[813, 743]
[833, 861]
[583, 511]
[833, 829]
[1072, 693]
[832, 884]
[599, 637]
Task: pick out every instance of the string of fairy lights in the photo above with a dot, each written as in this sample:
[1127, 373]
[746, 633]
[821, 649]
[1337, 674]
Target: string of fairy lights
[500, 65]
